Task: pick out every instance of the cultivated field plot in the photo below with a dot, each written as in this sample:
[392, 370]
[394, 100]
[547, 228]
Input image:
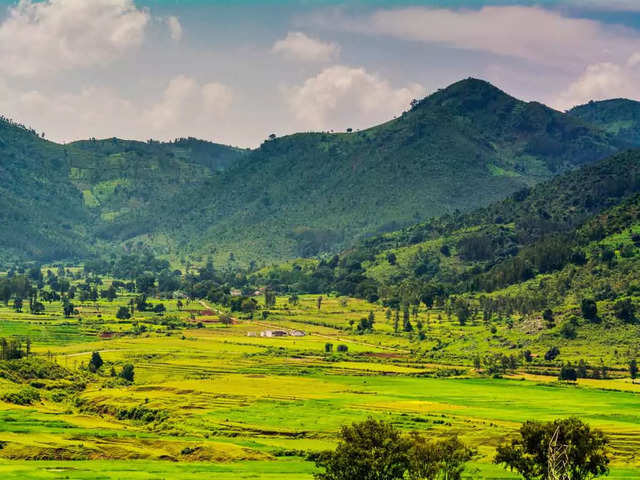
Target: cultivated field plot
[224, 401]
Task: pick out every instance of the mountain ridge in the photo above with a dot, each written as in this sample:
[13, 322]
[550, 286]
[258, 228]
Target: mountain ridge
[308, 194]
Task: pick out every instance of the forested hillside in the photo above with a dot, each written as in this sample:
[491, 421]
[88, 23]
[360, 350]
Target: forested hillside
[306, 194]
[311, 193]
[585, 222]
[620, 117]
[56, 198]
[41, 212]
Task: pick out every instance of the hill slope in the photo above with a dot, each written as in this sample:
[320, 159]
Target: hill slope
[304, 194]
[538, 231]
[620, 117]
[41, 212]
[53, 198]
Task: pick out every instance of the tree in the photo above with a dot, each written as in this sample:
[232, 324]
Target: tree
[160, 309]
[96, 362]
[127, 372]
[633, 369]
[123, 313]
[568, 373]
[269, 298]
[437, 460]
[293, 299]
[547, 316]
[462, 310]
[552, 353]
[17, 304]
[370, 450]
[625, 310]
[589, 309]
[68, 308]
[564, 449]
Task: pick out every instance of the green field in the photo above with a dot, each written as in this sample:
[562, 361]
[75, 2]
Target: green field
[222, 404]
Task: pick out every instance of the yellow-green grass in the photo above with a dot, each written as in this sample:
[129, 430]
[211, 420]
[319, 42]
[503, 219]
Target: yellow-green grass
[237, 406]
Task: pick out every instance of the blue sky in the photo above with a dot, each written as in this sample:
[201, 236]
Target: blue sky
[236, 71]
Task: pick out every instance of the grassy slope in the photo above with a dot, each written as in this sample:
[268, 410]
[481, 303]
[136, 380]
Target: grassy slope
[242, 402]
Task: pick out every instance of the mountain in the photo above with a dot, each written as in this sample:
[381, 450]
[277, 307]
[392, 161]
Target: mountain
[301, 195]
[620, 117]
[54, 198]
[123, 178]
[308, 193]
[41, 212]
[583, 225]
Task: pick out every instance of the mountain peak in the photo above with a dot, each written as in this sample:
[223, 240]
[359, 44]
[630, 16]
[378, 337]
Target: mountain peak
[469, 95]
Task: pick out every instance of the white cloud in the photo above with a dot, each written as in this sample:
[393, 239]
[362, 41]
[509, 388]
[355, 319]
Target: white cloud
[57, 35]
[602, 81]
[175, 28]
[185, 100]
[186, 108]
[298, 46]
[342, 96]
[545, 37]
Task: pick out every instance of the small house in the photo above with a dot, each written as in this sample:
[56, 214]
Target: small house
[273, 333]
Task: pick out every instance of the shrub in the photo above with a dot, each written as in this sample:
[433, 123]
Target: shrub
[625, 310]
[568, 330]
[552, 353]
[127, 372]
[123, 313]
[25, 396]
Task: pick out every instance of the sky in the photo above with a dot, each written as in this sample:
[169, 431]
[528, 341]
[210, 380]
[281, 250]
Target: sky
[235, 72]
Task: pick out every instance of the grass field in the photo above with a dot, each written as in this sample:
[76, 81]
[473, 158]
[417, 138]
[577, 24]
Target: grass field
[218, 403]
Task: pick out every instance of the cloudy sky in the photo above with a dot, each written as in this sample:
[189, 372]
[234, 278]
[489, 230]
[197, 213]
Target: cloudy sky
[236, 71]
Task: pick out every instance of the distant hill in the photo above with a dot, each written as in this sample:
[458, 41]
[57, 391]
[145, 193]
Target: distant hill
[308, 193]
[620, 117]
[41, 212]
[54, 198]
[301, 195]
[586, 221]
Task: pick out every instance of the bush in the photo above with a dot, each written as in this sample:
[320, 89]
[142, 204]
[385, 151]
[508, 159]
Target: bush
[568, 330]
[568, 373]
[25, 396]
[552, 353]
[127, 372]
[589, 309]
[625, 310]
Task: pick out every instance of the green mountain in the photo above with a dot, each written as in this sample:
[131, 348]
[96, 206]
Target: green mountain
[54, 198]
[584, 223]
[41, 212]
[304, 194]
[620, 117]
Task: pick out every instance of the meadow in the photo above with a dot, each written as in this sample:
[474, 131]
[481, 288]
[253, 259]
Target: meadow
[219, 401]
